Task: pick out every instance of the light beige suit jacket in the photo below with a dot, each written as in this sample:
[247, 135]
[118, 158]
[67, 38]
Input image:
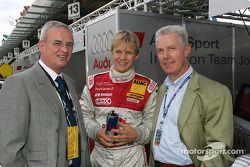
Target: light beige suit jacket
[205, 117]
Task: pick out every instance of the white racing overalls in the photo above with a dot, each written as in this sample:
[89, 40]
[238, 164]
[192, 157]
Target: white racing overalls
[132, 96]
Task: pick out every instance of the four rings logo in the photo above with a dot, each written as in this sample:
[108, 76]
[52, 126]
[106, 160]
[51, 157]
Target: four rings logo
[101, 42]
[103, 101]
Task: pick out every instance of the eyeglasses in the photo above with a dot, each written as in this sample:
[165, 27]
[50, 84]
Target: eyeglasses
[60, 44]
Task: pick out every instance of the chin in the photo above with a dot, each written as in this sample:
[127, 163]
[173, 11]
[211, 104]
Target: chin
[121, 71]
[168, 72]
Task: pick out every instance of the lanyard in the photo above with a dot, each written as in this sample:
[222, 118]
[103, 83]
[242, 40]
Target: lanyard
[165, 110]
[63, 102]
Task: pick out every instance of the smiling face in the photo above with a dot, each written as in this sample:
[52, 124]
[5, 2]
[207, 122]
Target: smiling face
[56, 49]
[124, 55]
[172, 55]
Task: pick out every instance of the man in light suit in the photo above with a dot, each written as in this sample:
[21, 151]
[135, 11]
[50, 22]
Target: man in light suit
[34, 127]
[193, 120]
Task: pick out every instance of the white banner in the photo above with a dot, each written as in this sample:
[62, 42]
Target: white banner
[224, 6]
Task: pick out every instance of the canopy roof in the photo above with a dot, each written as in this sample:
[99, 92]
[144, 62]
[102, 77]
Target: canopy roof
[42, 10]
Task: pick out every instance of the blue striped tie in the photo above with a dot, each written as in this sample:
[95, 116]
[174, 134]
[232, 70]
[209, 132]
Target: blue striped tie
[69, 111]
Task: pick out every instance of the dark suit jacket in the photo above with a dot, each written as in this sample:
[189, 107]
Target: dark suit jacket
[205, 117]
[33, 128]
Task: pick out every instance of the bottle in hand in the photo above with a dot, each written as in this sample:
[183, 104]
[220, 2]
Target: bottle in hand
[111, 123]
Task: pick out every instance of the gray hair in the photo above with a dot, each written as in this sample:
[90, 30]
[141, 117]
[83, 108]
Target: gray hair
[180, 30]
[51, 24]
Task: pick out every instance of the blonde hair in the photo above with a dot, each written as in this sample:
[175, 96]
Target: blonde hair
[127, 37]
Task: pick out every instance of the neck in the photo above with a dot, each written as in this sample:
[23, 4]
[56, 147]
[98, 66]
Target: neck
[121, 77]
[175, 77]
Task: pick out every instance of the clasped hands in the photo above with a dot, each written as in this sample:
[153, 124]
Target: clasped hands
[125, 134]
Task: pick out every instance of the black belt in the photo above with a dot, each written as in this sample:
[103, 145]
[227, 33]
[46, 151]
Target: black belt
[160, 164]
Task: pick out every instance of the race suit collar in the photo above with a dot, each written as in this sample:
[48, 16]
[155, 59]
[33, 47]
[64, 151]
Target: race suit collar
[118, 77]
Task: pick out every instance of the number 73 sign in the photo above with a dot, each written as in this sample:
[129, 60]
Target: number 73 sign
[74, 10]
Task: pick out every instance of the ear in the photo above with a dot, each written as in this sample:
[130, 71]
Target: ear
[137, 56]
[41, 46]
[187, 50]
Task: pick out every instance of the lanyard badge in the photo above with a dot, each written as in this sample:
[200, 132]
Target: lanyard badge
[158, 134]
[165, 111]
[73, 143]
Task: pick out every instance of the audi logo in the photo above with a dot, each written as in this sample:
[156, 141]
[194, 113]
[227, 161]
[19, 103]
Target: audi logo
[101, 42]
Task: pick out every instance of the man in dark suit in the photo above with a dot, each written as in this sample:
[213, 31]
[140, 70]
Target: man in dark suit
[41, 122]
[193, 119]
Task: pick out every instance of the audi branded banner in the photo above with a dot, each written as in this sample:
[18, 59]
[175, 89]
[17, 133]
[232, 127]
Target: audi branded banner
[99, 34]
[213, 52]
[98, 37]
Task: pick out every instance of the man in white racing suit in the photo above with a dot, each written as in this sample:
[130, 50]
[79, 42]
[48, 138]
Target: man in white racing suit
[130, 95]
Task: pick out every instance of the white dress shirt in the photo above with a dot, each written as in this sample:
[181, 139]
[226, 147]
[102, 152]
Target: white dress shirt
[53, 76]
[51, 73]
[171, 149]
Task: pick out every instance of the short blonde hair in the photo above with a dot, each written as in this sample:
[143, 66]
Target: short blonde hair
[127, 37]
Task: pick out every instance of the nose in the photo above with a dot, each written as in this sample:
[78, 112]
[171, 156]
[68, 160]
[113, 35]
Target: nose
[165, 53]
[123, 56]
[64, 47]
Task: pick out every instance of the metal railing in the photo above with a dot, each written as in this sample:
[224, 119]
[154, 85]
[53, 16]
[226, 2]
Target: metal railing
[80, 24]
[155, 6]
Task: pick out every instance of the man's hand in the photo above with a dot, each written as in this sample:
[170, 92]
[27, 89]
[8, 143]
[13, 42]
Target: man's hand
[125, 135]
[103, 139]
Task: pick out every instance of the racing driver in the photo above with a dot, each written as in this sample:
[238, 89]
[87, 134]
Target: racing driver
[130, 95]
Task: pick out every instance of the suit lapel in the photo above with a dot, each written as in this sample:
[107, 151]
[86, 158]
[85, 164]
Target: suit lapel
[188, 100]
[49, 94]
[160, 97]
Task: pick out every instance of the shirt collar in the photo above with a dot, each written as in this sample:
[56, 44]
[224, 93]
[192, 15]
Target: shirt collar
[178, 81]
[52, 73]
[118, 77]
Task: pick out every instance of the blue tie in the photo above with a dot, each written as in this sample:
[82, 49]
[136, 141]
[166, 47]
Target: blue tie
[68, 107]
[69, 111]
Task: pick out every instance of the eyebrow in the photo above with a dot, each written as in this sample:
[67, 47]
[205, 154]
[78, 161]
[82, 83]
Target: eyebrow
[57, 40]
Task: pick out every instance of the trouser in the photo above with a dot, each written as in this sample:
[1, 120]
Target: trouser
[134, 156]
